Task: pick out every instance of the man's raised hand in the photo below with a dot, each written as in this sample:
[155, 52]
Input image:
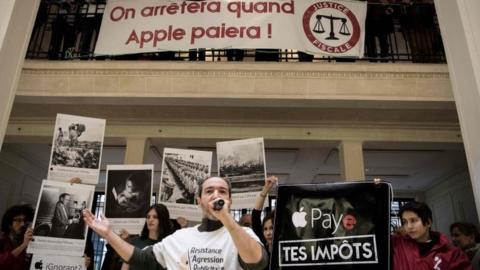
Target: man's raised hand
[100, 226]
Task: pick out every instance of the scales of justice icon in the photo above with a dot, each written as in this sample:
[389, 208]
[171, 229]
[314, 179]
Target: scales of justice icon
[318, 28]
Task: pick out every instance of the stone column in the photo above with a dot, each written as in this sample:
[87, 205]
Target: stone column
[135, 152]
[351, 160]
[460, 28]
[16, 19]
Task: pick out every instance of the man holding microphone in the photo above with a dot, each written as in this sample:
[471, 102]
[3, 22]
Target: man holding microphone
[217, 243]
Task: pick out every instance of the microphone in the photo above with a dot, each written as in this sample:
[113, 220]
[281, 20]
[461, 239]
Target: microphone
[218, 205]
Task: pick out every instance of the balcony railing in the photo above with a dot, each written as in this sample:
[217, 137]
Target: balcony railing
[394, 32]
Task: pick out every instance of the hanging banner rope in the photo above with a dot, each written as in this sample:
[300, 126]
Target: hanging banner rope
[330, 27]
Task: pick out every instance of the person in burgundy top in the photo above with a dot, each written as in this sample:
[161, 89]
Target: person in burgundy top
[15, 237]
[420, 248]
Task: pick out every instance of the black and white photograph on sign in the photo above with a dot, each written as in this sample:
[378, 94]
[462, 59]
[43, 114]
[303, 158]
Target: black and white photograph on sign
[242, 162]
[182, 169]
[339, 226]
[58, 225]
[76, 148]
[128, 191]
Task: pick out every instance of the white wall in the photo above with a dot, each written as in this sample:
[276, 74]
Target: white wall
[451, 201]
[6, 7]
[459, 22]
[16, 27]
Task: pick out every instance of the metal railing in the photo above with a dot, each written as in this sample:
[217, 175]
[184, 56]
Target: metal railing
[67, 30]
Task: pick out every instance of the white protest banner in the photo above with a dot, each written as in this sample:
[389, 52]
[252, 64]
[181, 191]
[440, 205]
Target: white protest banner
[331, 27]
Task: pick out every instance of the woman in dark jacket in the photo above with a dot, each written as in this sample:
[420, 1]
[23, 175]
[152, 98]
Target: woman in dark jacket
[157, 226]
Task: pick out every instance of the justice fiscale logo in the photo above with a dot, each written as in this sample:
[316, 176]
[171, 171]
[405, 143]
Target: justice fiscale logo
[331, 27]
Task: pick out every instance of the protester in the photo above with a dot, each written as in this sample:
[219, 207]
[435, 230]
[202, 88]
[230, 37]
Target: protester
[246, 220]
[422, 32]
[87, 26]
[267, 229]
[466, 236]
[17, 234]
[15, 237]
[218, 238]
[235, 54]
[379, 26]
[264, 229]
[157, 226]
[182, 222]
[421, 248]
[111, 260]
[62, 42]
[89, 252]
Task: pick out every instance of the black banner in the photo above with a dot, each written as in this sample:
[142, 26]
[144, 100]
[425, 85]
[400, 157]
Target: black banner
[332, 226]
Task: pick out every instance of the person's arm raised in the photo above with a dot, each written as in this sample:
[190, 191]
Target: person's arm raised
[27, 237]
[270, 182]
[102, 227]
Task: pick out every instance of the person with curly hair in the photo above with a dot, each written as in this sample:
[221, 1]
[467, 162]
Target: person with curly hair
[15, 237]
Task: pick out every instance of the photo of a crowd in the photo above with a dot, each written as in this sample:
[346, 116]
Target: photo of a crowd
[181, 172]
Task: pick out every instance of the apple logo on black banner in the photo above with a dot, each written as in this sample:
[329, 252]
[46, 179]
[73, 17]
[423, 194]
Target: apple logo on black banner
[299, 218]
[331, 27]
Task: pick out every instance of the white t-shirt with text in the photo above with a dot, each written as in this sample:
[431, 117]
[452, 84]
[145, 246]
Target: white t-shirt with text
[194, 250]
